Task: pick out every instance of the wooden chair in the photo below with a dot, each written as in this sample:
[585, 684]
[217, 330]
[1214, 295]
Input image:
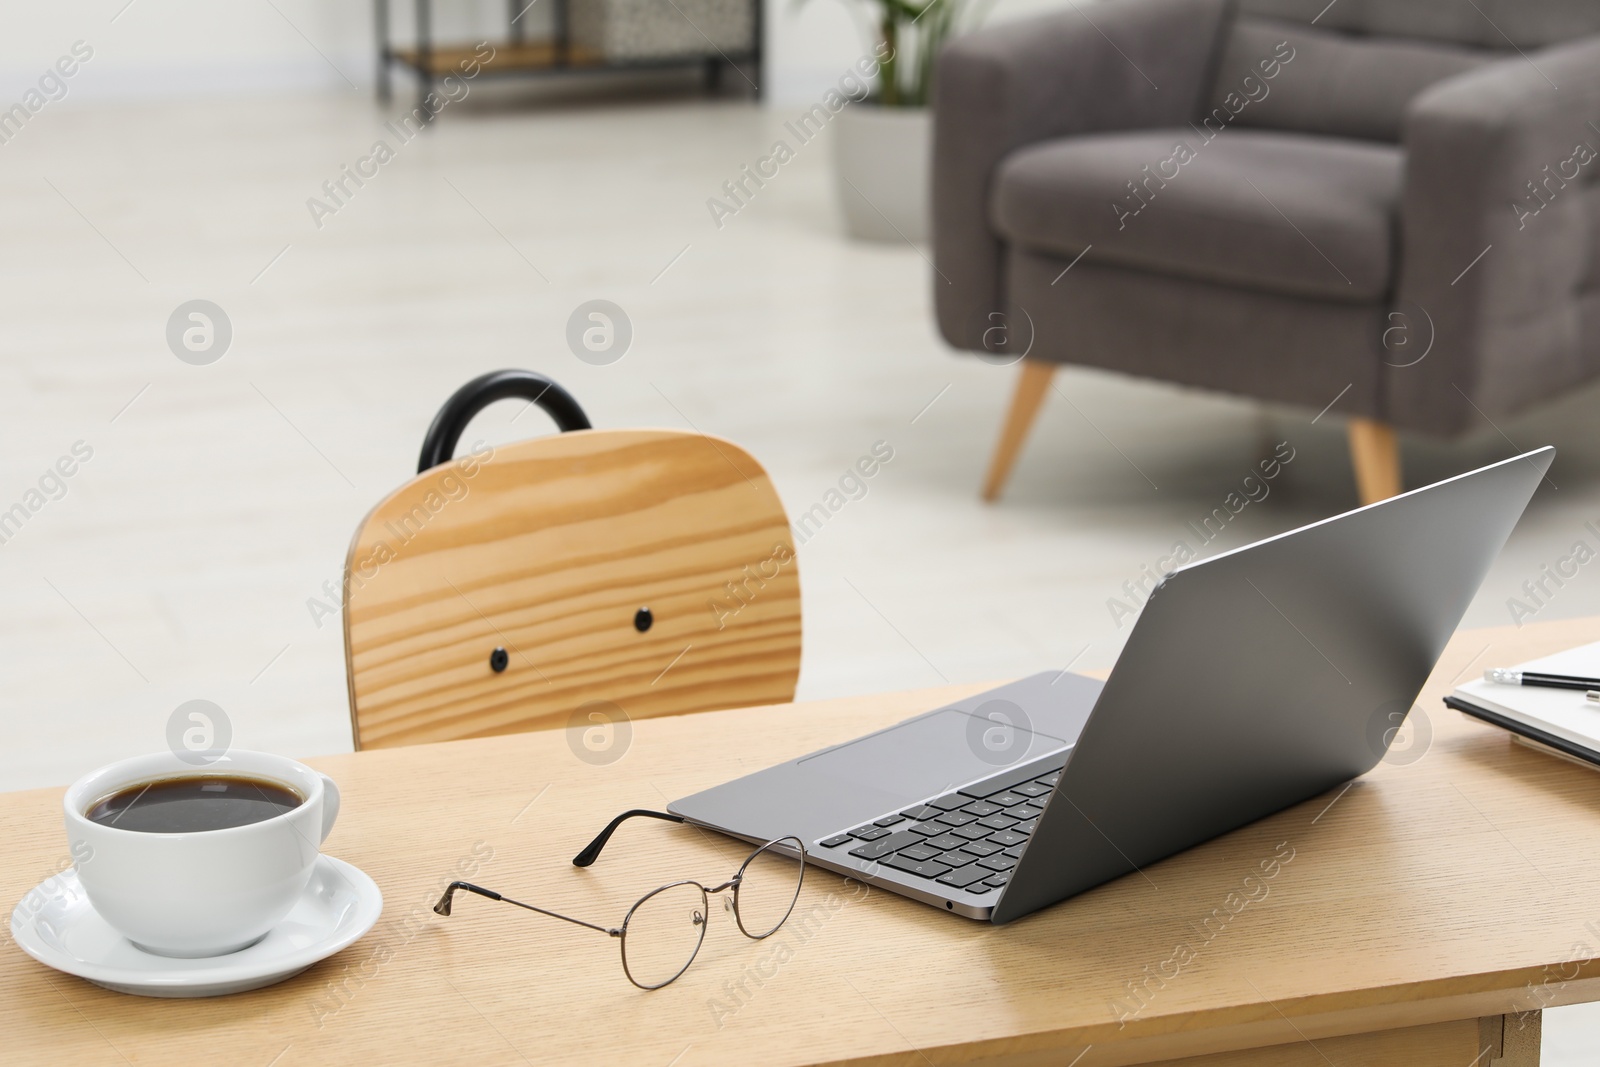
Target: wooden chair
[578, 580]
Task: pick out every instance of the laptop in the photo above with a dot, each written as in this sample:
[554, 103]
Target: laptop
[1252, 680]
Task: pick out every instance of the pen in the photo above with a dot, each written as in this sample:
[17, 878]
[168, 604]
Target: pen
[1507, 676]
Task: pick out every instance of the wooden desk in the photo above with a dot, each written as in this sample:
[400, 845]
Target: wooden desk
[1428, 912]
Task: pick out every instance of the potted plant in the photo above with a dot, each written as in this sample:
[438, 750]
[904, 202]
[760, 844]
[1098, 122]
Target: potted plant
[882, 150]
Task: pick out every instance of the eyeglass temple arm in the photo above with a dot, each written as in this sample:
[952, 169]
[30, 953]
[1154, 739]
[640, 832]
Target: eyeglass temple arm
[591, 851]
[443, 907]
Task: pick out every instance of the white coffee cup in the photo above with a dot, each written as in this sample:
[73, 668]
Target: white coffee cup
[208, 892]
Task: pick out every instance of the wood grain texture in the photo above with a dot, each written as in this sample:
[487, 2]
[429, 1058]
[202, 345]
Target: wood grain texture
[547, 548]
[1390, 916]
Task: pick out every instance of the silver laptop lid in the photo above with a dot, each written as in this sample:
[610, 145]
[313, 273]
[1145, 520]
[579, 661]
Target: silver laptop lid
[1260, 677]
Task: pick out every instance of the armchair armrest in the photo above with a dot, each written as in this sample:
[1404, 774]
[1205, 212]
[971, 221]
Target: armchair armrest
[1501, 163]
[1122, 64]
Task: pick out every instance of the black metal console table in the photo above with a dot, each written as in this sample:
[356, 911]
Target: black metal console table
[431, 62]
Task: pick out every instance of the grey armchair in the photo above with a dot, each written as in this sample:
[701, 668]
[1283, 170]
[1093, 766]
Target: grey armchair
[1389, 208]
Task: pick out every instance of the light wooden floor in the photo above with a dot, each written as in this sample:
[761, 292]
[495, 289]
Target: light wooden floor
[220, 498]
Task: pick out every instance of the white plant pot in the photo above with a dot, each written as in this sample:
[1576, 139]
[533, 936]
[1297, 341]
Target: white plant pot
[882, 159]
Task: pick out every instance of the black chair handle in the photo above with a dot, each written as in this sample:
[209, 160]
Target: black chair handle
[440, 444]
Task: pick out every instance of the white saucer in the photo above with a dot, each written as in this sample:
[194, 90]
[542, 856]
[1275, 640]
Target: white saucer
[339, 905]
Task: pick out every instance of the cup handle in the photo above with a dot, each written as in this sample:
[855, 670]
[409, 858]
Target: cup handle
[330, 805]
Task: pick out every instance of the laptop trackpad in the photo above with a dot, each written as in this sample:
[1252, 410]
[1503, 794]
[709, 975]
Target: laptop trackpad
[931, 754]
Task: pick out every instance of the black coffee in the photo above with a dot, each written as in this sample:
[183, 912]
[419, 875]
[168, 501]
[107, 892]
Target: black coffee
[194, 802]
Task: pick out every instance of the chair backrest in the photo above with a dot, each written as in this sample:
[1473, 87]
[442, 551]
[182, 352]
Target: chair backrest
[1350, 67]
[624, 574]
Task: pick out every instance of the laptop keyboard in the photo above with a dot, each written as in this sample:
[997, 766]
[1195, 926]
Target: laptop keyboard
[969, 839]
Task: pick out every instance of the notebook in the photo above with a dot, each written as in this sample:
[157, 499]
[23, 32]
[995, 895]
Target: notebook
[1560, 722]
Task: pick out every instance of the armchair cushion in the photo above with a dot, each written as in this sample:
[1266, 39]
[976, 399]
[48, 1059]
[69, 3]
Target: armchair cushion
[1331, 83]
[1274, 212]
[1496, 24]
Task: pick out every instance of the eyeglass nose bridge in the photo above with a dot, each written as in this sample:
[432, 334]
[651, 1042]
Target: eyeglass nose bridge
[728, 904]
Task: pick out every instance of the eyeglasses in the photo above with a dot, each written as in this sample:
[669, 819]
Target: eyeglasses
[661, 934]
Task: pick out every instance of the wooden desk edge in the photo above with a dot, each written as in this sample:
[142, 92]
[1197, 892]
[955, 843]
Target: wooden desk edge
[1264, 1027]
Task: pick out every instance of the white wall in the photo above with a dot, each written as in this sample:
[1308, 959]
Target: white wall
[180, 47]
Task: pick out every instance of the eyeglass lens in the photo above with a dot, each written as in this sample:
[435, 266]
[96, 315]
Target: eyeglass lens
[662, 933]
[769, 884]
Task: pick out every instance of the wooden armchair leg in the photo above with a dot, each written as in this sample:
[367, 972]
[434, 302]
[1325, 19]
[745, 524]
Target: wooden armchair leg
[1031, 387]
[1375, 454]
